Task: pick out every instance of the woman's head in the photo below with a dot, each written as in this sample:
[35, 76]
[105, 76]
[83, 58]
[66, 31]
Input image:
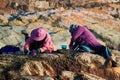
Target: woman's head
[72, 28]
[38, 34]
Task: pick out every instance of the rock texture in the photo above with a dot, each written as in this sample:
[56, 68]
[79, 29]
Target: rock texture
[102, 17]
[63, 64]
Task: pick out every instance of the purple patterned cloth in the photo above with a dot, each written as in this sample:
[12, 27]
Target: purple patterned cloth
[83, 36]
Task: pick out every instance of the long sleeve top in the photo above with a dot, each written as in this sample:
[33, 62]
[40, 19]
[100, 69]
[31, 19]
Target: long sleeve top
[47, 44]
[83, 36]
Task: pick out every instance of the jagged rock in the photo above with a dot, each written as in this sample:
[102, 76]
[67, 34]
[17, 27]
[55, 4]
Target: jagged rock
[33, 5]
[68, 74]
[65, 64]
[100, 16]
[4, 18]
[92, 77]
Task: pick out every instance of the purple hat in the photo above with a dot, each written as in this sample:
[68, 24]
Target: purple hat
[38, 34]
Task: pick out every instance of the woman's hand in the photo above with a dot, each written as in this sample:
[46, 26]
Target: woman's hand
[34, 52]
[26, 52]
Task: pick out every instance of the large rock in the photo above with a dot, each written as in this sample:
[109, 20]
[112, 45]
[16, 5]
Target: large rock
[57, 22]
[11, 36]
[63, 64]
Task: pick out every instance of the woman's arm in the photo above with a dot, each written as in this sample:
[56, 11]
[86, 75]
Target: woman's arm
[79, 32]
[27, 44]
[48, 45]
[76, 34]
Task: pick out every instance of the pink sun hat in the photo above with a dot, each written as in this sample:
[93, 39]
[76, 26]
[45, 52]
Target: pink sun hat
[38, 34]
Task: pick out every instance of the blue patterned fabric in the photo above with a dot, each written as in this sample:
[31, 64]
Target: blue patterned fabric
[9, 49]
[85, 48]
[107, 52]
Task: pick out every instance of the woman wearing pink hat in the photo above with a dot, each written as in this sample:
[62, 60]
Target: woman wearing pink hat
[39, 41]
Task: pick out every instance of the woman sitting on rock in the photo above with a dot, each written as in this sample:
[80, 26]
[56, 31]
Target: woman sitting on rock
[39, 41]
[82, 38]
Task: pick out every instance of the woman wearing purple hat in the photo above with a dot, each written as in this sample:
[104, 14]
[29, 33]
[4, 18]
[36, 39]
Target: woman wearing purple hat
[39, 41]
[82, 38]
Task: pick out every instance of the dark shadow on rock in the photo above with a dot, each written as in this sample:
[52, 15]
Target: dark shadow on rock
[79, 77]
[52, 33]
[17, 16]
[1, 25]
[26, 35]
[119, 47]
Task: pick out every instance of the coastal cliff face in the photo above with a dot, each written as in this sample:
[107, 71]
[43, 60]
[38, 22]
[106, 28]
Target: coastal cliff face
[102, 17]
